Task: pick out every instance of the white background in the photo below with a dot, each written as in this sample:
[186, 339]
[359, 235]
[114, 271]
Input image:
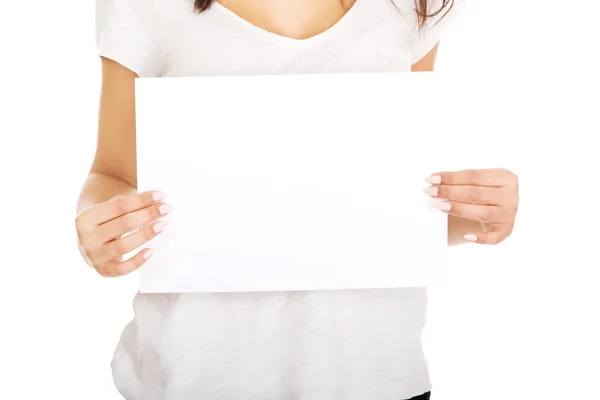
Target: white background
[519, 320]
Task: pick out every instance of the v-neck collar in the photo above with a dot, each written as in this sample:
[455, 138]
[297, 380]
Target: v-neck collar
[333, 30]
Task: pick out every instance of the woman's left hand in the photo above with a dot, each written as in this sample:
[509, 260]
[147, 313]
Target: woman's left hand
[490, 196]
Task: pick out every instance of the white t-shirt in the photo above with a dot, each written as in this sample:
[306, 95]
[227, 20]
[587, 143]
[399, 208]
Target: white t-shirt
[312, 345]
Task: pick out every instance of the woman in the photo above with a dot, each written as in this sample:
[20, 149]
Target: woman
[354, 344]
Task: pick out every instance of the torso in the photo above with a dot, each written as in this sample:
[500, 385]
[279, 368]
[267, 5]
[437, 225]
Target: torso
[322, 345]
[371, 36]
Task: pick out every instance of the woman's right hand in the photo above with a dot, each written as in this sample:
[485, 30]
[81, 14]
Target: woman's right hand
[101, 231]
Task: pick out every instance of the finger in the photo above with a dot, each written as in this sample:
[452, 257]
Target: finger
[474, 212]
[475, 177]
[486, 238]
[469, 194]
[121, 205]
[120, 268]
[129, 243]
[131, 221]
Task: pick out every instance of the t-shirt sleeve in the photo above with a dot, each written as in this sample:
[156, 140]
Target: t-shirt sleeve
[425, 39]
[124, 33]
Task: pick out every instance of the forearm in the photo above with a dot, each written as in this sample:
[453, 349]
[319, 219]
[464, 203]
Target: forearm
[99, 188]
[459, 227]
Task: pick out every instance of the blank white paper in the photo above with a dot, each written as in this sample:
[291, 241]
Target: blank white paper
[289, 182]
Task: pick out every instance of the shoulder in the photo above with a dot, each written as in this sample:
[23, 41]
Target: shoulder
[150, 15]
[128, 11]
[436, 9]
[132, 32]
[440, 16]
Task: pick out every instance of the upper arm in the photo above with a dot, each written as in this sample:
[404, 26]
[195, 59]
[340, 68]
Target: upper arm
[116, 147]
[127, 40]
[426, 63]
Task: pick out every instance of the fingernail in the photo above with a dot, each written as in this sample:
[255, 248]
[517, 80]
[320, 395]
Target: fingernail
[431, 191]
[147, 254]
[165, 208]
[434, 179]
[158, 228]
[471, 238]
[158, 196]
[443, 206]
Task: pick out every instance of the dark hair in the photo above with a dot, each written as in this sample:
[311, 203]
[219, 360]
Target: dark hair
[421, 8]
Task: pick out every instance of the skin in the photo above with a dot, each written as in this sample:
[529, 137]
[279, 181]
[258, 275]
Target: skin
[296, 19]
[113, 219]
